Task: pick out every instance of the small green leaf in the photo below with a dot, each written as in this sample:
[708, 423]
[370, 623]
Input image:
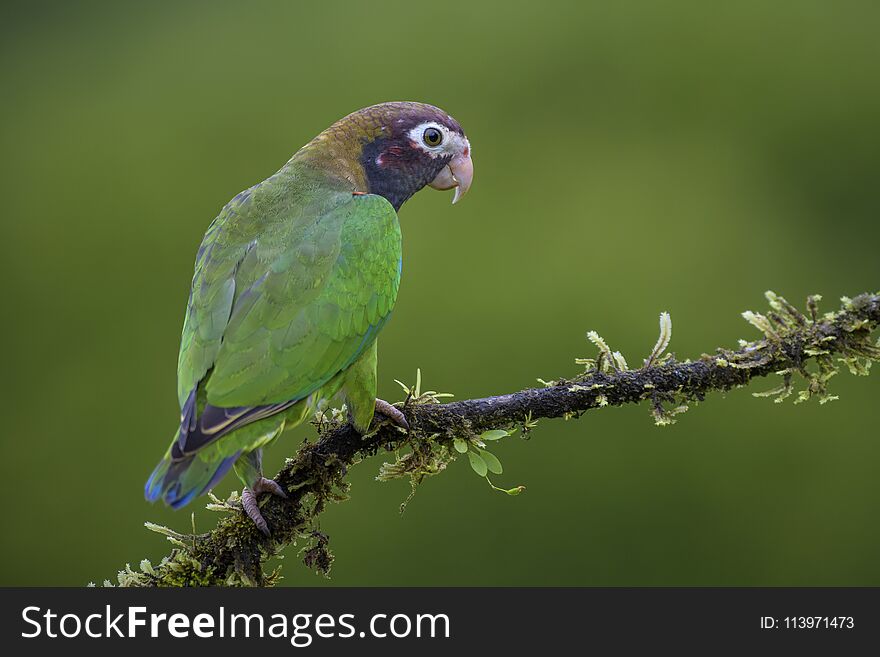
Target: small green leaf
[494, 434]
[478, 464]
[492, 462]
[460, 445]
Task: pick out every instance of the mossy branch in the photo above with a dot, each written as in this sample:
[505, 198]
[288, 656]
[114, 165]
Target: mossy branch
[794, 345]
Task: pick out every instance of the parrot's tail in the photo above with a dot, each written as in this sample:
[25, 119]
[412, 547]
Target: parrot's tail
[179, 481]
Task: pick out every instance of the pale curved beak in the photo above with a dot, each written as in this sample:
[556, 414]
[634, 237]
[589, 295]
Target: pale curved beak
[459, 173]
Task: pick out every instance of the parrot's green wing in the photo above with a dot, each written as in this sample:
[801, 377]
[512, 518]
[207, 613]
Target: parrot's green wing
[270, 320]
[307, 310]
[286, 295]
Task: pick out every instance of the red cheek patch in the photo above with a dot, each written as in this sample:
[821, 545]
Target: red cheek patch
[391, 153]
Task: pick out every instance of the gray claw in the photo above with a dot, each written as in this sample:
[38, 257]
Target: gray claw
[252, 509]
[249, 501]
[265, 485]
[392, 413]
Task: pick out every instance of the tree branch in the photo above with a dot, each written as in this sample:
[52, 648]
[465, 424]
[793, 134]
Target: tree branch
[234, 553]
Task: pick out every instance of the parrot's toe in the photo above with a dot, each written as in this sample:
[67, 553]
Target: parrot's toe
[249, 500]
[265, 485]
[392, 413]
[252, 509]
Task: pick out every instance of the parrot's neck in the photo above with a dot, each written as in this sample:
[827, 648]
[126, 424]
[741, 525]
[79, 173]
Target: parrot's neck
[336, 153]
[327, 169]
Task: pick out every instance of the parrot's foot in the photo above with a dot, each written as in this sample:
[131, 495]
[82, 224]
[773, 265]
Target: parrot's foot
[249, 501]
[392, 413]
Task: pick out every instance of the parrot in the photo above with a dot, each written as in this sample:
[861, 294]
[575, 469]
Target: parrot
[294, 280]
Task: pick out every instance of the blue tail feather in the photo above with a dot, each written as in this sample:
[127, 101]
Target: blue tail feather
[169, 480]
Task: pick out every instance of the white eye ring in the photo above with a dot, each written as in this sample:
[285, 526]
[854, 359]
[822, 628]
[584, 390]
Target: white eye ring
[417, 136]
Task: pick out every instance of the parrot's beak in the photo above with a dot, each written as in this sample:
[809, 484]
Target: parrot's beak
[458, 173]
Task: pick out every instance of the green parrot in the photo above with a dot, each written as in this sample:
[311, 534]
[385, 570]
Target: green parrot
[293, 281]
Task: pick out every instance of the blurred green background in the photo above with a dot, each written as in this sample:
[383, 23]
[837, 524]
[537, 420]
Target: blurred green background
[630, 158]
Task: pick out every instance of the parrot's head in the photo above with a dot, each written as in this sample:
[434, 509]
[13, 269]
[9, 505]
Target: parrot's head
[401, 147]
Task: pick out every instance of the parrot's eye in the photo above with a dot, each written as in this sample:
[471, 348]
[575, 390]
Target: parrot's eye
[432, 137]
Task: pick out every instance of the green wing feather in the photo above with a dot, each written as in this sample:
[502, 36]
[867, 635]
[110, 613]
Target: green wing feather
[292, 284]
[280, 304]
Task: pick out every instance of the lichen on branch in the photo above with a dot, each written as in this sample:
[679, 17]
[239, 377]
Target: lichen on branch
[804, 349]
